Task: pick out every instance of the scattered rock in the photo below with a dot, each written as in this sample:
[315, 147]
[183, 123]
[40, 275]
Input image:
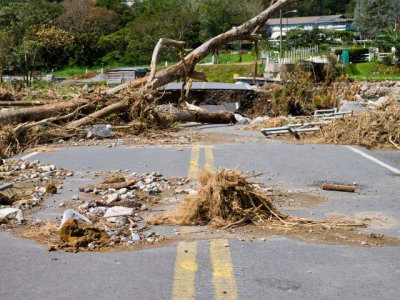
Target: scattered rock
[113, 198]
[349, 106]
[70, 213]
[104, 131]
[135, 237]
[381, 100]
[12, 213]
[242, 120]
[117, 211]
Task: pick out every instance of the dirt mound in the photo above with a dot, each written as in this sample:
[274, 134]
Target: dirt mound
[6, 95]
[225, 198]
[87, 75]
[51, 188]
[79, 234]
[115, 179]
[211, 97]
[5, 200]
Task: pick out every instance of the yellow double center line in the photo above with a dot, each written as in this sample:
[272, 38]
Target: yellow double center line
[223, 275]
[185, 266]
[194, 163]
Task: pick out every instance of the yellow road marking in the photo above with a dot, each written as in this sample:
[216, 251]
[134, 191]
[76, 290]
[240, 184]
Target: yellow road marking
[185, 229]
[185, 268]
[223, 277]
[209, 159]
[203, 85]
[194, 163]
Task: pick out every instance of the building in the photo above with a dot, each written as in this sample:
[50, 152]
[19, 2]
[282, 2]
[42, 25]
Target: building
[336, 22]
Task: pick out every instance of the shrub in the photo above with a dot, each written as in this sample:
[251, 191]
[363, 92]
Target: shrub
[387, 60]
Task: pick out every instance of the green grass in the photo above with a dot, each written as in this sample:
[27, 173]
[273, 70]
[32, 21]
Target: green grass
[75, 71]
[225, 72]
[360, 72]
[229, 58]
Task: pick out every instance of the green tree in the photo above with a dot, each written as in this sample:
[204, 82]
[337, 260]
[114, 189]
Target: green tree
[26, 54]
[125, 13]
[87, 24]
[211, 27]
[391, 38]
[144, 32]
[297, 38]
[18, 16]
[6, 45]
[372, 16]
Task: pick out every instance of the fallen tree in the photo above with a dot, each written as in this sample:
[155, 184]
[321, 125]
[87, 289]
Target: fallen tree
[137, 100]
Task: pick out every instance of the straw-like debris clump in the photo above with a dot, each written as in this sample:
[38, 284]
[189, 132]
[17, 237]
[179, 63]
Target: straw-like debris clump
[376, 128]
[225, 198]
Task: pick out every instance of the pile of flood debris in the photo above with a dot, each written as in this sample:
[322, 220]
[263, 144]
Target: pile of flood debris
[133, 111]
[117, 214]
[111, 213]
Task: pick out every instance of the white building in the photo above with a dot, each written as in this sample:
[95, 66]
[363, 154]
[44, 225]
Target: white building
[336, 22]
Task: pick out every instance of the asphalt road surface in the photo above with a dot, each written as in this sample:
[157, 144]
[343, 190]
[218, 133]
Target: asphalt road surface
[278, 268]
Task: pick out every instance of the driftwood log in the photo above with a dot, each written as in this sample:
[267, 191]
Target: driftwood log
[21, 103]
[340, 188]
[34, 114]
[106, 186]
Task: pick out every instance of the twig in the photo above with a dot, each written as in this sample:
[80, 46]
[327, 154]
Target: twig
[390, 140]
[236, 223]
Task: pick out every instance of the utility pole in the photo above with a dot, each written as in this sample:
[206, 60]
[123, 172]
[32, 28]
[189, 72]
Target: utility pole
[280, 56]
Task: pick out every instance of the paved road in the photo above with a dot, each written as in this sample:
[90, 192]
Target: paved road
[278, 268]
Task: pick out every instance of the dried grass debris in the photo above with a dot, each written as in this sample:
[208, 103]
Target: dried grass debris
[373, 128]
[225, 198]
[44, 233]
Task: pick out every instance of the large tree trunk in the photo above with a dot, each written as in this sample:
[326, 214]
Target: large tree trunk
[222, 117]
[21, 103]
[34, 114]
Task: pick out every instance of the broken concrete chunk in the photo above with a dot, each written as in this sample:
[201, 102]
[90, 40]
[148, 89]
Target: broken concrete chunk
[113, 198]
[48, 168]
[242, 120]
[359, 99]
[104, 131]
[117, 211]
[349, 106]
[12, 213]
[381, 100]
[70, 213]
